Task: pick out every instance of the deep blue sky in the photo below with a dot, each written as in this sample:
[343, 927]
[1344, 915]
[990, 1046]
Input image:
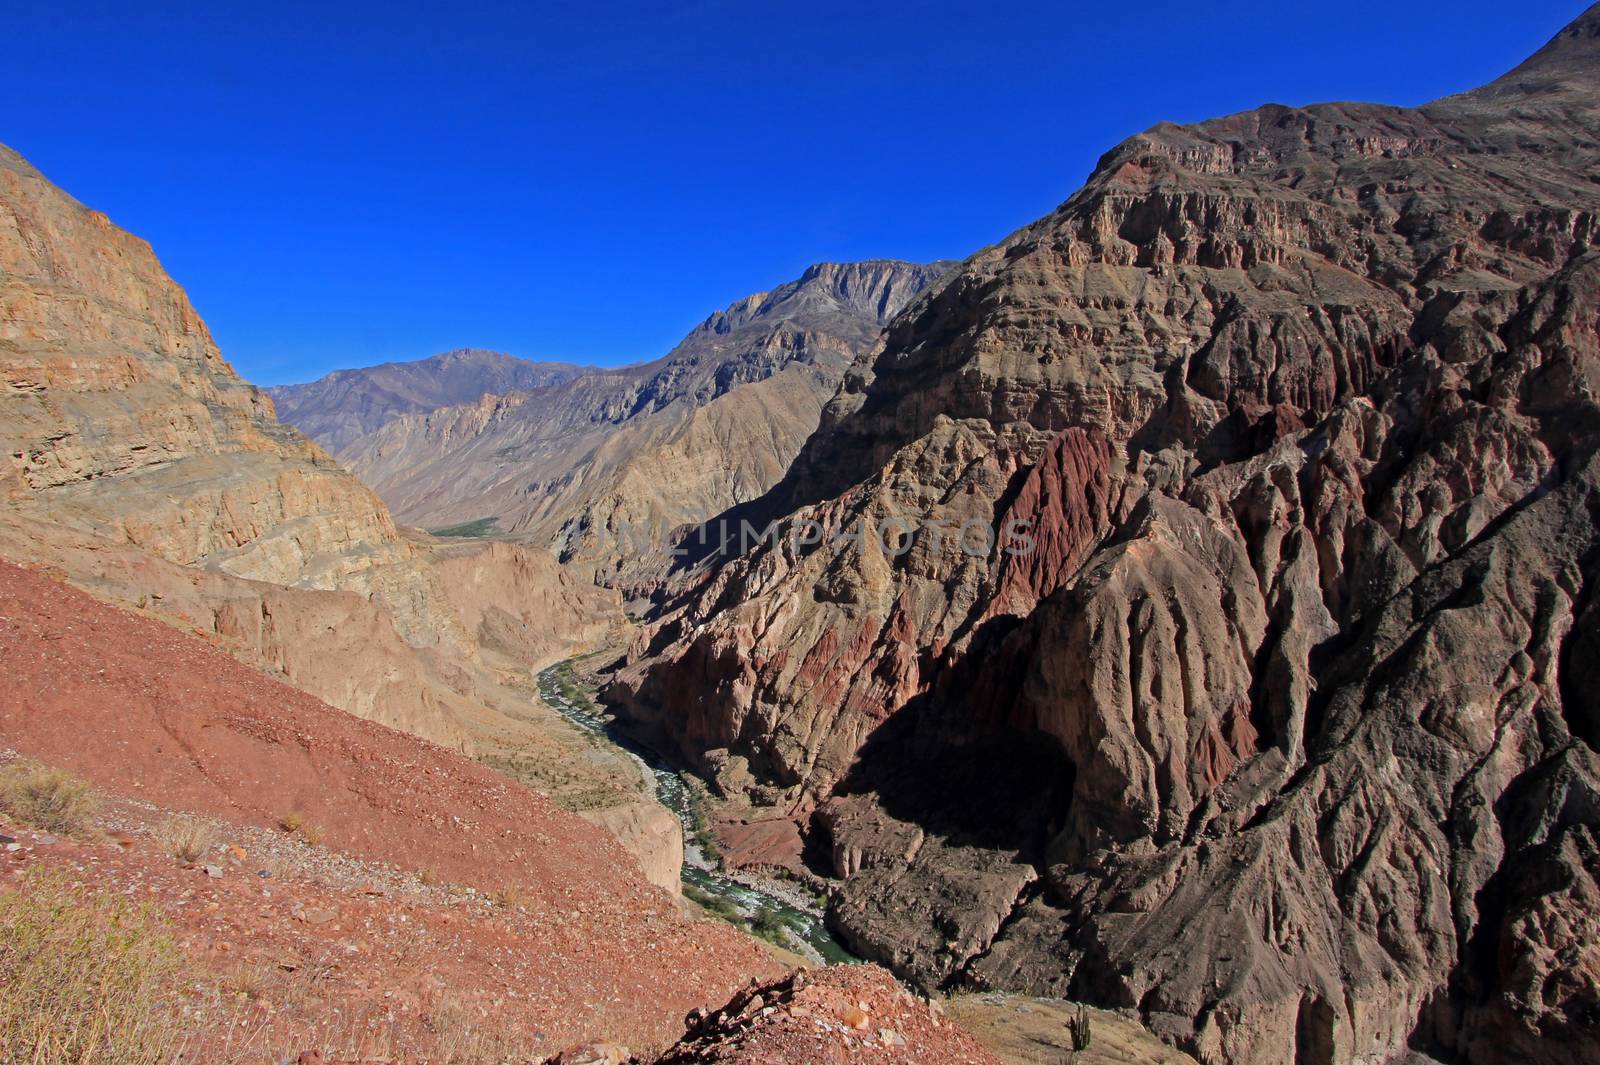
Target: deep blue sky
[338, 185]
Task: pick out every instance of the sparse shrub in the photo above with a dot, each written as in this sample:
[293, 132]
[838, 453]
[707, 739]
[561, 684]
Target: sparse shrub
[251, 981]
[715, 905]
[84, 979]
[700, 823]
[50, 799]
[186, 837]
[294, 822]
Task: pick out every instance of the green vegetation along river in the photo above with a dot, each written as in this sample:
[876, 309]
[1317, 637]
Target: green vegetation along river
[745, 901]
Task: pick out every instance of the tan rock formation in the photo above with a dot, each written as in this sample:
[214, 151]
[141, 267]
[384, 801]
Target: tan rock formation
[651, 833]
[140, 465]
[111, 377]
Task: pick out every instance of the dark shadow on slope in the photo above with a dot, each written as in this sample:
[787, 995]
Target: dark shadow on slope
[969, 783]
[1579, 675]
[958, 763]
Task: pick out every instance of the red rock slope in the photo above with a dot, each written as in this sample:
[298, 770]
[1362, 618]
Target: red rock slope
[588, 949]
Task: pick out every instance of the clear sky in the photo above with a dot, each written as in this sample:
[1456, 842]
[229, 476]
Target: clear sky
[342, 184]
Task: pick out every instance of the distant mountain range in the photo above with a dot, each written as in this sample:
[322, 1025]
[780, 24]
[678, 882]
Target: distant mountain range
[346, 405]
[566, 462]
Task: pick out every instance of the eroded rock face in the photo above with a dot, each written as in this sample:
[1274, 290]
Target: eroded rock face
[120, 416]
[138, 464]
[1283, 735]
[121, 422]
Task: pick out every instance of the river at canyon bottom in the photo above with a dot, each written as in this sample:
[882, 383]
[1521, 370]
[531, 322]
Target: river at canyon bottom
[802, 920]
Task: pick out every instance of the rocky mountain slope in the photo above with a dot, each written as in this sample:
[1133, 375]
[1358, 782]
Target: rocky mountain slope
[141, 466]
[346, 405]
[843, 1013]
[1279, 725]
[715, 422]
[121, 418]
[313, 903]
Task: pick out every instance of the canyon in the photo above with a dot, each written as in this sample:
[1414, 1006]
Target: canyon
[142, 467]
[305, 740]
[1263, 720]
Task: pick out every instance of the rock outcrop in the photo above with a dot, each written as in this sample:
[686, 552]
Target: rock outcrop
[121, 421]
[120, 418]
[340, 408]
[844, 1014]
[1278, 726]
[604, 466]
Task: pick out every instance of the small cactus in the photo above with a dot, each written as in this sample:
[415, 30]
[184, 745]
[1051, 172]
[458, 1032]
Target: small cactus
[1078, 1028]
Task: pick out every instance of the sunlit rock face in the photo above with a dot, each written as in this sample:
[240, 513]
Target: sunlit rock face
[135, 461]
[120, 416]
[1282, 735]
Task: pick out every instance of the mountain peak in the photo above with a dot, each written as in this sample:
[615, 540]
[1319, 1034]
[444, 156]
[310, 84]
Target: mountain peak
[1566, 67]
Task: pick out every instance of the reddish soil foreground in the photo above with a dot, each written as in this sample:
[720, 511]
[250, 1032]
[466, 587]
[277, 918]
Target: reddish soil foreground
[843, 1014]
[375, 926]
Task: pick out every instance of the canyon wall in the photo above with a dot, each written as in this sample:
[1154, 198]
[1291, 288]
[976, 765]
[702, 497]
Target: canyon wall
[1283, 733]
[142, 468]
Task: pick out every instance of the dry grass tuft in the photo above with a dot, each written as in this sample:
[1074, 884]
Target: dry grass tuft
[84, 979]
[294, 822]
[250, 980]
[459, 1037]
[511, 898]
[50, 799]
[186, 837]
